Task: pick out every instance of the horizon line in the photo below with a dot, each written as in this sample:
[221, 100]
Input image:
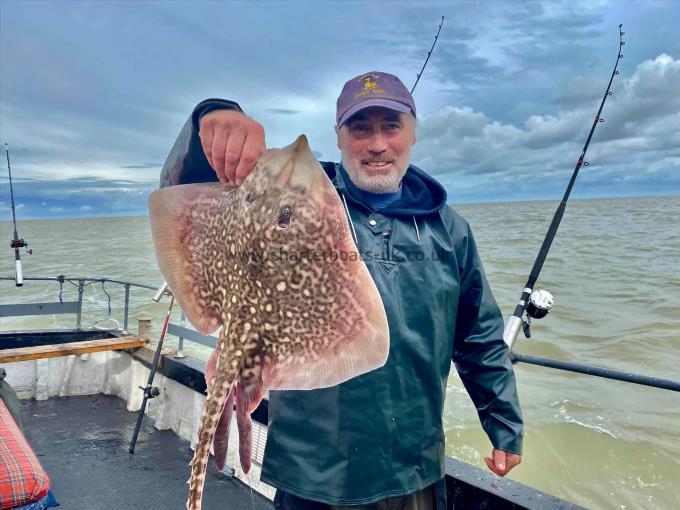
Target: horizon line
[136, 214]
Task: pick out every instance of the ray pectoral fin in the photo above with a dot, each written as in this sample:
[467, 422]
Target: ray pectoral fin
[342, 327]
[354, 338]
[182, 223]
[333, 366]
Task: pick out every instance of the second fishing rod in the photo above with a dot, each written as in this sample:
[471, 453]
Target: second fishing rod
[537, 303]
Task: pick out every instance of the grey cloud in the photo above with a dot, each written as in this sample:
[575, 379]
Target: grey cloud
[144, 166]
[283, 111]
[509, 91]
[464, 142]
[82, 197]
[651, 94]
[581, 90]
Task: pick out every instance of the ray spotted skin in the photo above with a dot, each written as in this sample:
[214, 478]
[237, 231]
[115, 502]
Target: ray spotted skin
[273, 261]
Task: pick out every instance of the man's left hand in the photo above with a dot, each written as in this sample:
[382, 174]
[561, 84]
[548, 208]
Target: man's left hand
[501, 462]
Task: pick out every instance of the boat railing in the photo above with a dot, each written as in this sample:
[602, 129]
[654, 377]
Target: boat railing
[68, 307]
[183, 333]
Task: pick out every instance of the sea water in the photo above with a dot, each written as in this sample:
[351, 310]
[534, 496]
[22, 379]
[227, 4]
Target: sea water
[614, 269]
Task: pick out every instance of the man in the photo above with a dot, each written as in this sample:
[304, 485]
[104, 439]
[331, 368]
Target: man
[377, 440]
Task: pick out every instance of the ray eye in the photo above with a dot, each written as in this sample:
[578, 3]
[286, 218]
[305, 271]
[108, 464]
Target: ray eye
[284, 216]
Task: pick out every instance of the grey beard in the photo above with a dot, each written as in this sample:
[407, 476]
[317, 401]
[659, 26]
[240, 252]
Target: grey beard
[375, 183]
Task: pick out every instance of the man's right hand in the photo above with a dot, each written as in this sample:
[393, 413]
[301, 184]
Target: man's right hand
[232, 143]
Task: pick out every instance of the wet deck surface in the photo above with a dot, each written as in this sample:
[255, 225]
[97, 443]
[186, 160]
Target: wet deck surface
[82, 442]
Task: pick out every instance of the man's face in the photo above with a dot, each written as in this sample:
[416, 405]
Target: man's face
[376, 148]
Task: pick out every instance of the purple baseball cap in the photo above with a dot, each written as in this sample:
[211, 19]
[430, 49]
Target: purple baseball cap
[373, 89]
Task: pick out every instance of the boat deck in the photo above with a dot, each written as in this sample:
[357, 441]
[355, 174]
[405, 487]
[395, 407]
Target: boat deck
[82, 442]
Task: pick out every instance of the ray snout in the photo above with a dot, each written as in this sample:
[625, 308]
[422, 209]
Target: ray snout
[297, 167]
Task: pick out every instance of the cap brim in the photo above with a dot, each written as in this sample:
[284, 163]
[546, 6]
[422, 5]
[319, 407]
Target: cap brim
[385, 103]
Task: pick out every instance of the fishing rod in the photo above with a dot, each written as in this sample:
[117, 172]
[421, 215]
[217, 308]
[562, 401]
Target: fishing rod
[16, 243]
[537, 303]
[150, 391]
[429, 53]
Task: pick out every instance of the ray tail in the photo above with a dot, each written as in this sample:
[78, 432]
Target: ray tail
[226, 371]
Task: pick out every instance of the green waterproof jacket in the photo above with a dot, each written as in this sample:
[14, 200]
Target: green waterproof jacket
[381, 435]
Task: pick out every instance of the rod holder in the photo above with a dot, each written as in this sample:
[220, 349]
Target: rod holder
[160, 292]
[511, 330]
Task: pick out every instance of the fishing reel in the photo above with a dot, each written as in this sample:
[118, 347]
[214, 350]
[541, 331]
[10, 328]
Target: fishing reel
[150, 391]
[20, 243]
[538, 305]
[15, 244]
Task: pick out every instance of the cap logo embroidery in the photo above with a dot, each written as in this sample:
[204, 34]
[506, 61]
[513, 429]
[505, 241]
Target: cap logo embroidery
[370, 86]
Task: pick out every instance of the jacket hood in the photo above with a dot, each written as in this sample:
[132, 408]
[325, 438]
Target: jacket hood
[422, 195]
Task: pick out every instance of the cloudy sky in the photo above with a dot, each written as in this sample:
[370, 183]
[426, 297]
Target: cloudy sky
[92, 94]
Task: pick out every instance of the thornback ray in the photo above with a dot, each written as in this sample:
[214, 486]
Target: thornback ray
[273, 262]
